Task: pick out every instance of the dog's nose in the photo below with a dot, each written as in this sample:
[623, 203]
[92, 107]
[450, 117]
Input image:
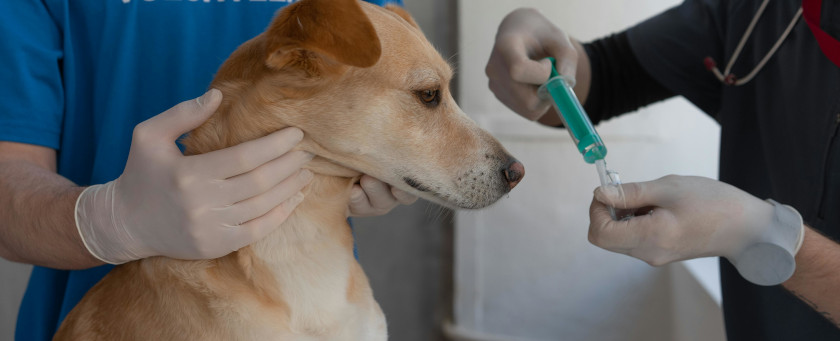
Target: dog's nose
[513, 172]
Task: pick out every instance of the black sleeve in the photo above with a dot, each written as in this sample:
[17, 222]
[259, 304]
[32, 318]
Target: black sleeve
[672, 45]
[619, 82]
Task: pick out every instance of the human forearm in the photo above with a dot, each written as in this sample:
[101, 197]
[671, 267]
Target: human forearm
[817, 277]
[37, 211]
[37, 223]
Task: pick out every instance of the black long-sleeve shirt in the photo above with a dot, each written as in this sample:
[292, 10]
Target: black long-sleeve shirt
[779, 132]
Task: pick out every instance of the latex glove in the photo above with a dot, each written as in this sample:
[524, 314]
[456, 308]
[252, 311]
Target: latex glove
[192, 207]
[517, 66]
[685, 217]
[371, 197]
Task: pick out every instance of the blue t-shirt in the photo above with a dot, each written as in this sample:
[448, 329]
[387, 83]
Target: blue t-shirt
[77, 77]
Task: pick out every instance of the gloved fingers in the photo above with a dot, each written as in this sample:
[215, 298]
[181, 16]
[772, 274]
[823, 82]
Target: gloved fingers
[377, 192]
[661, 239]
[514, 54]
[261, 179]
[241, 158]
[561, 48]
[403, 197]
[259, 227]
[607, 233]
[651, 235]
[637, 194]
[259, 205]
[371, 197]
[359, 202]
[521, 98]
[514, 77]
[176, 121]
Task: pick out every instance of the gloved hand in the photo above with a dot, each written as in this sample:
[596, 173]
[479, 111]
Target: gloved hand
[191, 207]
[685, 217]
[517, 66]
[372, 197]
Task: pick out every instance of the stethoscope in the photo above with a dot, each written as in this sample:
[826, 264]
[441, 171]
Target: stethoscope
[728, 78]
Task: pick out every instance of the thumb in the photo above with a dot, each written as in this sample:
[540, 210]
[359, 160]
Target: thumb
[633, 195]
[567, 58]
[521, 67]
[185, 116]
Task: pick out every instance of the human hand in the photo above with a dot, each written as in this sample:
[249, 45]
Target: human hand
[371, 197]
[192, 207]
[517, 66]
[685, 217]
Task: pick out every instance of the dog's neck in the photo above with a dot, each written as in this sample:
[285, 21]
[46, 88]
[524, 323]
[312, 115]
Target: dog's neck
[309, 257]
[305, 268]
[320, 219]
[306, 263]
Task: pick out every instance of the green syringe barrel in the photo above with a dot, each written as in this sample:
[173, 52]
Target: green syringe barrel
[566, 103]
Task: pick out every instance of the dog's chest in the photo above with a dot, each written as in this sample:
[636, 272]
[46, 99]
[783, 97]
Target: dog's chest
[321, 295]
[251, 321]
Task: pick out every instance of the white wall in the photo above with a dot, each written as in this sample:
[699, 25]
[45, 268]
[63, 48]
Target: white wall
[524, 269]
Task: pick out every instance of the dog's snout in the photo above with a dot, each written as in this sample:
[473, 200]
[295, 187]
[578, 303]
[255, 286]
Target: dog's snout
[513, 172]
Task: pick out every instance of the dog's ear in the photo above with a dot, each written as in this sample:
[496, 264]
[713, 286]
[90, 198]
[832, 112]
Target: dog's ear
[309, 31]
[402, 13]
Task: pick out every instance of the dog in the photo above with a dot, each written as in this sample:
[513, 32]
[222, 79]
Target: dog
[372, 97]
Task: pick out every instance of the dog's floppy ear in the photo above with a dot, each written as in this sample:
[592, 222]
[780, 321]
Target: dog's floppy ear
[402, 13]
[306, 32]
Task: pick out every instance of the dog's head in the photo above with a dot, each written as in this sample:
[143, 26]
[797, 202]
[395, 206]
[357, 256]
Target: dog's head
[371, 94]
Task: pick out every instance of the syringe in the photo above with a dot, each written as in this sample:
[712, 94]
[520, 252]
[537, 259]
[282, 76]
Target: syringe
[559, 92]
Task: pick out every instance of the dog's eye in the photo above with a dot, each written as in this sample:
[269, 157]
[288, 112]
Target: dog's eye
[430, 98]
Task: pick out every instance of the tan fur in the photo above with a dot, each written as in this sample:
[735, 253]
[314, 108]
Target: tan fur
[348, 74]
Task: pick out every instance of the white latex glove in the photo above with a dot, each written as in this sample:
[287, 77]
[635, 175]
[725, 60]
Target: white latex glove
[517, 66]
[685, 217]
[372, 197]
[192, 207]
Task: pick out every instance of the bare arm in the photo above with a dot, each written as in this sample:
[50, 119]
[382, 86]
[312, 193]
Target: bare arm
[817, 275]
[37, 219]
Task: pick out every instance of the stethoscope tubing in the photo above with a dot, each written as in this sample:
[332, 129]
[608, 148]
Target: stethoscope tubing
[727, 77]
